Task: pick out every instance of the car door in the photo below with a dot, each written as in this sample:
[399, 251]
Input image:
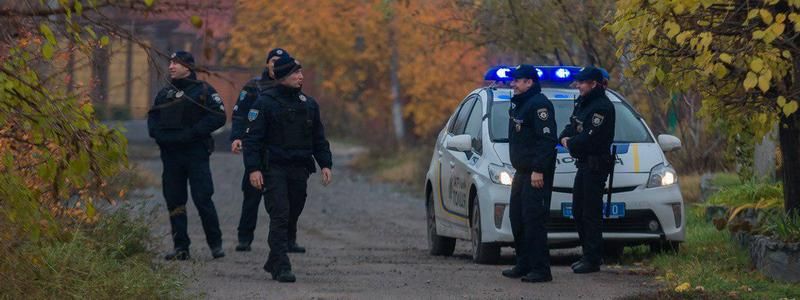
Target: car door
[451, 186]
[466, 162]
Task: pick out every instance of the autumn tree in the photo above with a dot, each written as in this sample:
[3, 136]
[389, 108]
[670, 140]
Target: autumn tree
[350, 47]
[742, 56]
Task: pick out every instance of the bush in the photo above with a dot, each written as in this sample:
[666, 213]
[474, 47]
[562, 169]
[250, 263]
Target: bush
[109, 260]
[746, 193]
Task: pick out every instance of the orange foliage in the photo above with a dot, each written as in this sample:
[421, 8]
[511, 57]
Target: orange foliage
[348, 46]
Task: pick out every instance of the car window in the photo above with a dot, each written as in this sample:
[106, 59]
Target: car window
[463, 114]
[628, 129]
[474, 126]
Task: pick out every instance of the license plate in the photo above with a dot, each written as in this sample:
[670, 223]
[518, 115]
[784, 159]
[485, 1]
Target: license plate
[617, 210]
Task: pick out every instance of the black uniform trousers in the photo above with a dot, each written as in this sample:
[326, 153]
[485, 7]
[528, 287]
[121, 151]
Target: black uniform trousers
[587, 209]
[189, 164]
[284, 185]
[249, 218]
[529, 209]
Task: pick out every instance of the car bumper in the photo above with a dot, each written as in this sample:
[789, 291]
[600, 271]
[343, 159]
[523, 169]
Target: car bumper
[642, 206]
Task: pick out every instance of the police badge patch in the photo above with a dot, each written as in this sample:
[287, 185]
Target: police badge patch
[252, 115]
[216, 98]
[179, 94]
[597, 119]
[242, 94]
[542, 113]
[303, 98]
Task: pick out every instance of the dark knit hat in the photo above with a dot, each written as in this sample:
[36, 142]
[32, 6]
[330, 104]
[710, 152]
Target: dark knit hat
[525, 71]
[590, 73]
[184, 58]
[285, 66]
[276, 52]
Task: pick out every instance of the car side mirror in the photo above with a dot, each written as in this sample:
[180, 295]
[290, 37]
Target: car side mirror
[461, 143]
[669, 143]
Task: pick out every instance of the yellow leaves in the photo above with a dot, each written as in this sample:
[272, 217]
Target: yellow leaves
[758, 34]
[683, 287]
[780, 18]
[750, 81]
[752, 14]
[672, 29]
[149, 3]
[681, 38]
[679, 9]
[764, 80]
[725, 57]
[705, 40]
[766, 16]
[196, 21]
[756, 65]
[104, 40]
[786, 54]
[790, 108]
[720, 71]
[781, 101]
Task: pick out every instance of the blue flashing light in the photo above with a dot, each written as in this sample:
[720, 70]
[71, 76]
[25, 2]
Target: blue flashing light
[562, 73]
[547, 74]
[562, 96]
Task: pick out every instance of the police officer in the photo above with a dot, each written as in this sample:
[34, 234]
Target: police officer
[252, 196]
[181, 120]
[284, 137]
[532, 142]
[588, 138]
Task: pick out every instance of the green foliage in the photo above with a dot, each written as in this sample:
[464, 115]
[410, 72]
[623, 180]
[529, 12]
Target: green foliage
[782, 225]
[749, 192]
[111, 259]
[712, 266]
[722, 180]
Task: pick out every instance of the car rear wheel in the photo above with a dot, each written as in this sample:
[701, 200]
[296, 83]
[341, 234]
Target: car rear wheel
[482, 253]
[438, 245]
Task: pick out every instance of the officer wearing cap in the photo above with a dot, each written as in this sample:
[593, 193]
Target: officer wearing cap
[283, 139]
[588, 138]
[532, 141]
[184, 114]
[252, 196]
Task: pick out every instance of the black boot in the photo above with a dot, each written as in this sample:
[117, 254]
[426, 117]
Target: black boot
[178, 254]
[537, 277]
[243, 247]
[217, 252]
[295, 248]
[586, 267]
[514, 272]
[284, 275]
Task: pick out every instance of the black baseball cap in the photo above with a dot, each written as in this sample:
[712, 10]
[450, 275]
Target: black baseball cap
[589, 73]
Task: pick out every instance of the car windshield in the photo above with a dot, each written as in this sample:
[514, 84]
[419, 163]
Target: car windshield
[629, 128]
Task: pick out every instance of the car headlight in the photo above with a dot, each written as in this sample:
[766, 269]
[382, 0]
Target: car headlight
[662, 175]
[501, 174]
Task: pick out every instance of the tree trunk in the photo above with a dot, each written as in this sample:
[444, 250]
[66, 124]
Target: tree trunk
[789, 133]
[397, 105]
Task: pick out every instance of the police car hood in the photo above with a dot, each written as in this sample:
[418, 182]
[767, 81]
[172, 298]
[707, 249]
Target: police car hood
[631, 158]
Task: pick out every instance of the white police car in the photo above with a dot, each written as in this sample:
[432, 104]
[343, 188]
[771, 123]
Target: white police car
[469, 179]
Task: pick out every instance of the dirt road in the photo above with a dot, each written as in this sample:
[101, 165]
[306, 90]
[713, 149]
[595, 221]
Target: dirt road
[365, 240]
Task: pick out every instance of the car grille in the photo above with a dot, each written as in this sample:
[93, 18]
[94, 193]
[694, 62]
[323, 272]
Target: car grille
[605, 191]
[634, 221]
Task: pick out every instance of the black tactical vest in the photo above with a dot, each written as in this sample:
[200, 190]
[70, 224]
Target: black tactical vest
[293, 125]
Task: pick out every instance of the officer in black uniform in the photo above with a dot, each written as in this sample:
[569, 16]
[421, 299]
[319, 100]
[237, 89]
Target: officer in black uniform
[181, 120]
[588, 138]
[252, 196]
[532, 148]
[284, 137]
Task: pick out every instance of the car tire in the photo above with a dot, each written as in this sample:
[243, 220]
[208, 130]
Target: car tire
[438, 245]
[663, 246]
[482, 253]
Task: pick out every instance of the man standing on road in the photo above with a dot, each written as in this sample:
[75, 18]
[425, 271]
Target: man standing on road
[532, 142]
[252, 196]
[181, 121]
[588, 138]
[284, 137]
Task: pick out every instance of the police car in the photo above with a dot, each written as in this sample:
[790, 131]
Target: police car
[469, 179]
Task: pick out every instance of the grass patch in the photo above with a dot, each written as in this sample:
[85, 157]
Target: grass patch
[709, 266]
[690, 188]
[107, 260]
[725, 179]
[746, 193]
[405, 166]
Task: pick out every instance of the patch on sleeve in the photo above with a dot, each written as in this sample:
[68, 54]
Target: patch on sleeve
[242, 94]
[597, 119]
[543, 114]
[216, 98]
[252, 115]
